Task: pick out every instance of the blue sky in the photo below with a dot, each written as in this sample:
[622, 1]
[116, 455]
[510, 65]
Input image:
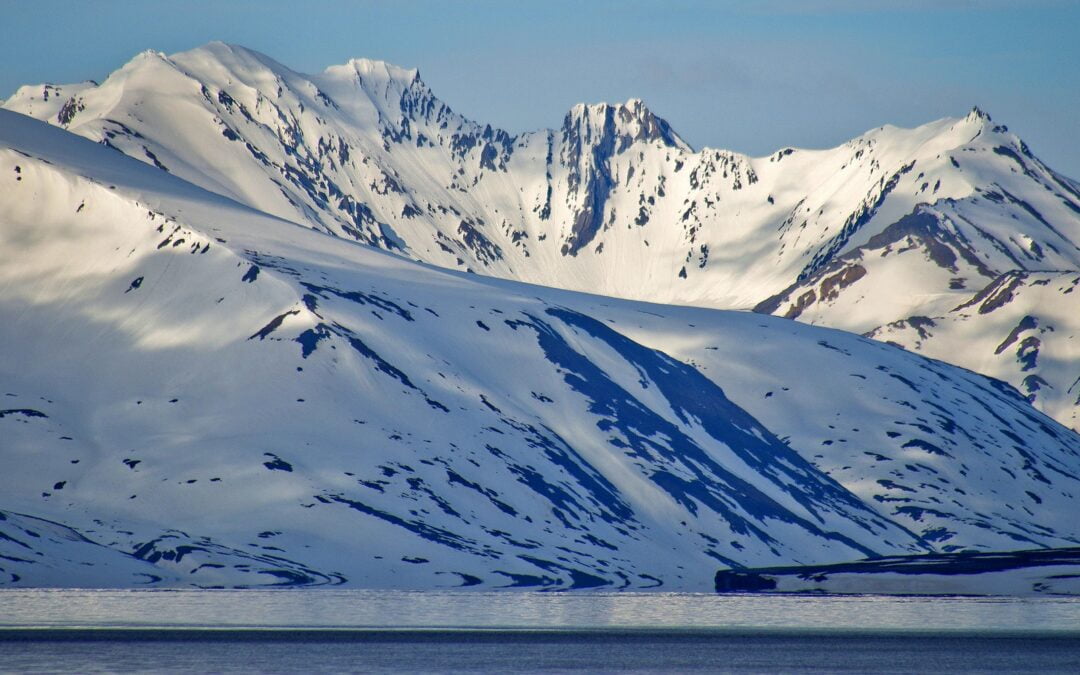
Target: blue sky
[746, 75]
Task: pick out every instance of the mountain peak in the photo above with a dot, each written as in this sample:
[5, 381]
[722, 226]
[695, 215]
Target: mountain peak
[978, 114]
[630, 121]
[145, 56]
[374, 69]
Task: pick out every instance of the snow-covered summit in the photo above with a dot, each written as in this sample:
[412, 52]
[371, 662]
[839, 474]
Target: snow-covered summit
[619, 125]
[373, 70]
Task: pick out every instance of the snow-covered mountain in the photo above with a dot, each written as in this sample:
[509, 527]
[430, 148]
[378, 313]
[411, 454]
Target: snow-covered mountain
[195, 392]
[212, 376]
[937, 280]
[895, 224]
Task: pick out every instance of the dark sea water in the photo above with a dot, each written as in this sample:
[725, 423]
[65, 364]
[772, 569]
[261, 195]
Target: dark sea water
[387, 631]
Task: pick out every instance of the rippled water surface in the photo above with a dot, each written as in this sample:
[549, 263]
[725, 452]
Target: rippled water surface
[297, 631]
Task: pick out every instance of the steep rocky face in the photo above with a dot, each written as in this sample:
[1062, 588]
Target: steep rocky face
[591, 137]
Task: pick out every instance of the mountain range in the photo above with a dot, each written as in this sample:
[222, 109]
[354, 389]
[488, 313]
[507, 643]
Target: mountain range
[243, 345]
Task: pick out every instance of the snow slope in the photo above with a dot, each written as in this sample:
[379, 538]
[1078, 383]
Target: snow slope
[44, 553]
[896, 223]
[1021, 328]
[237, 400]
